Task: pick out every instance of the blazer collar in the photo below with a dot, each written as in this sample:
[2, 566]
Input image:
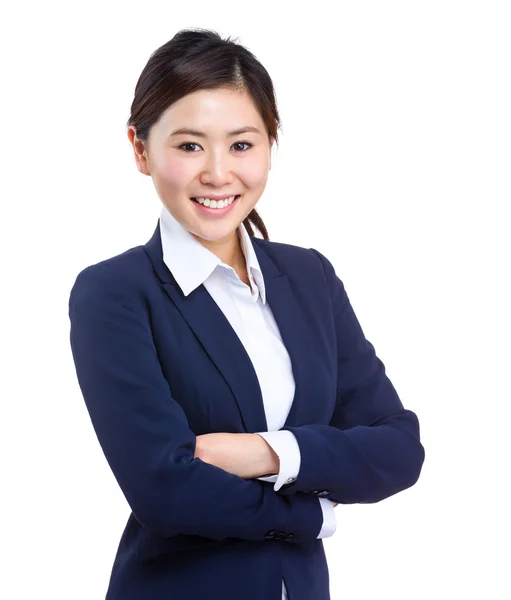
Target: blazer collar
[225, 349]
[191, 263]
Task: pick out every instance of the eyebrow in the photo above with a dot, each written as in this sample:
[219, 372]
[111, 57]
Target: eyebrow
[195, 132]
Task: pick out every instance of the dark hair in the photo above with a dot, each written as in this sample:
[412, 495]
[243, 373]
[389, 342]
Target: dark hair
[199, 59]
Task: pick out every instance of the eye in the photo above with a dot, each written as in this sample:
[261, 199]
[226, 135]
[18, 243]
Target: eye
[187, 144]
[182, 146]
[246, 144]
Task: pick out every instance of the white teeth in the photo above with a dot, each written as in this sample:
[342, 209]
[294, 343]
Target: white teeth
[216, 203]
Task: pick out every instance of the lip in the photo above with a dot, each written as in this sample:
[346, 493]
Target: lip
[216, 212]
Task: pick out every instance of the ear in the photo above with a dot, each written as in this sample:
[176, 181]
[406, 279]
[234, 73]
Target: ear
[140, 151]
[272, 146]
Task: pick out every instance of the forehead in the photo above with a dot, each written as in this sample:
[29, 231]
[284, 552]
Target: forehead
[212, 109]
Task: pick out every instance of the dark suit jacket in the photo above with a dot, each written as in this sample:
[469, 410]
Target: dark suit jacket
[156, 369]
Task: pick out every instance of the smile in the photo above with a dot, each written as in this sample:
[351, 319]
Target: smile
[215, 207]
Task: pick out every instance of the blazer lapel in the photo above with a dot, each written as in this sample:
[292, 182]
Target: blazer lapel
[295, 332]
[225, 349]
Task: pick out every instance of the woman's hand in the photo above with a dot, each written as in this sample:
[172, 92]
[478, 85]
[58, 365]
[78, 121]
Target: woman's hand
[247, 455]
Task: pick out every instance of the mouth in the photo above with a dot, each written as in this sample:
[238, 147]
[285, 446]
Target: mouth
[235, 198]
[213, 210]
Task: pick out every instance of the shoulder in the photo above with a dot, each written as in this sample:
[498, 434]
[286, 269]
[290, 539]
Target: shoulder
[296, 260]
[308, 269]
[121, 274]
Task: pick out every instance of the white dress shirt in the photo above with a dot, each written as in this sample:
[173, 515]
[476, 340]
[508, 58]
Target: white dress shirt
[250, 316]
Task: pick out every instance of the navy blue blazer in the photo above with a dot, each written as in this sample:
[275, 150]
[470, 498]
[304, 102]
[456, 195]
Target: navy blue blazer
[157, 368]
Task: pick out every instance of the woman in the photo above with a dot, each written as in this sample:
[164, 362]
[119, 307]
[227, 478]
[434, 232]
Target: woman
[228, 380]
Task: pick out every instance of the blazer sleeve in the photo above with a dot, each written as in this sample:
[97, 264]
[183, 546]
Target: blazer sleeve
[144, 432]
[371, 449]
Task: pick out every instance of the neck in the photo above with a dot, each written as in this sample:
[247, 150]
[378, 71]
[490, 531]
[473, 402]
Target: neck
[228, 250]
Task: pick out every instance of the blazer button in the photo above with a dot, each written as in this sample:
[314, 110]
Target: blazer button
[322, 493]
[289, 537]
[271, 535]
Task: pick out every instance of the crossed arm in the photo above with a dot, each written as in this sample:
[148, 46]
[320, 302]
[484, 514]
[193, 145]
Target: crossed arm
[369, 451]
[247, 455]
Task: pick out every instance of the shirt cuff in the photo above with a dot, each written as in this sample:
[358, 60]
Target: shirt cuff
[286, 447]
[329, 521]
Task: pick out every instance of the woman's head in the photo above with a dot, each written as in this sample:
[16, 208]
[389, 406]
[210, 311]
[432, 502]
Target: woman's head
[199, 82]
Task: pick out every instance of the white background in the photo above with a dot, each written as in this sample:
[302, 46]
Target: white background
[394, 162]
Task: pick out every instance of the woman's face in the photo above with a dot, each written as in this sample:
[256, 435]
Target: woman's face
[209, 162]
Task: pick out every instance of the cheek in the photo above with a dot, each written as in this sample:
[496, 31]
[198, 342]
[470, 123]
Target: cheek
[174, 173]
[254, 173]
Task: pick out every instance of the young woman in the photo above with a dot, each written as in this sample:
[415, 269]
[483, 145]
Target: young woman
[227, 377]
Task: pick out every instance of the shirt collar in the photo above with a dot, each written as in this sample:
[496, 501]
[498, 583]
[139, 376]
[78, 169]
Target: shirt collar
[191, 263]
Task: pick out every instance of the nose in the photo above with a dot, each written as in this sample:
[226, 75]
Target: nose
[217, 169]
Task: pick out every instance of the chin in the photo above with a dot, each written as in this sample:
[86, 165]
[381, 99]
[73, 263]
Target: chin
[215, 233]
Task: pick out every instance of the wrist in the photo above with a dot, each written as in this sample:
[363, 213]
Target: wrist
[270, 462]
